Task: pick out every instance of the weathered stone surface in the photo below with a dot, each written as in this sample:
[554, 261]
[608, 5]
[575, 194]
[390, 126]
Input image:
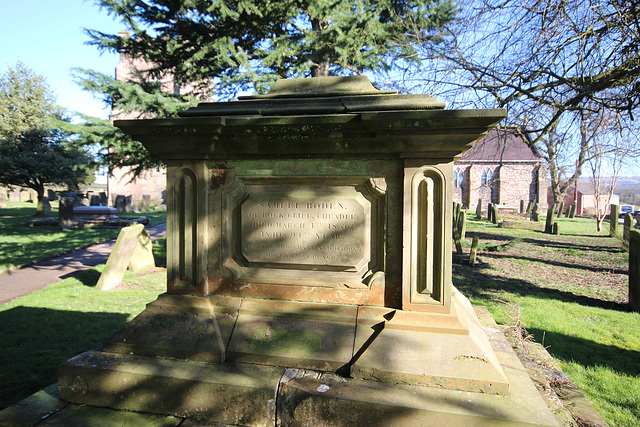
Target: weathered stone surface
[293, 334]
[142, 256]
[95, 200]
[233, 394]
[180, 327]
[32, 410]
[81, 416]
[445, 350]
[133, 243]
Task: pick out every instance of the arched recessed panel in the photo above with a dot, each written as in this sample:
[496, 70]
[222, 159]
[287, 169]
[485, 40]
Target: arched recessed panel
[427, 240]
[185, 233]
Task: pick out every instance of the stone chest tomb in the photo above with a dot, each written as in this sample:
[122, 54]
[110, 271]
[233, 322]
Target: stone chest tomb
[309, 268]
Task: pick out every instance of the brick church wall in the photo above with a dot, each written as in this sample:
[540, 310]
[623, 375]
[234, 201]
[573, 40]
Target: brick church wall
[152, 182]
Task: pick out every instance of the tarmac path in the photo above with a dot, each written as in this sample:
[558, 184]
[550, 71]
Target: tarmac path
[26, 280]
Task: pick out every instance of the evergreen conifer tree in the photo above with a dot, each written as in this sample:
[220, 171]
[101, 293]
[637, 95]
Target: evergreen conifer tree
[230, 46]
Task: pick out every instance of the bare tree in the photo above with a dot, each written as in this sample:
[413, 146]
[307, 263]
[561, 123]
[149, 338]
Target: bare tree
[548, 62]
[606, 159]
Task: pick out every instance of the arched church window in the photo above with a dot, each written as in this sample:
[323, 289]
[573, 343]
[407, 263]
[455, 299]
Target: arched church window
[458, 178]
[487, 177]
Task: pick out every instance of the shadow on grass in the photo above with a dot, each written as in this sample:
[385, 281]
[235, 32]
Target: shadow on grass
[557, 263]
[474, 283]
[548, 243]
[588, 353]
[35, 341]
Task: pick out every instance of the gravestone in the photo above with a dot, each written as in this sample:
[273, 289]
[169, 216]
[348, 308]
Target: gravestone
[626, 231]
[25, 196]
[146, 202]
[548, 228]
[128, 204]
[46, 205]
[479, 209]
[95, 200]
[51, 195]
[613, 221]
[132, 250]
[103, 198]
[120, 203]
[71, 195]
[535, 216]
[634, 270]
[309, 240]
[65, 212]
[14, 196]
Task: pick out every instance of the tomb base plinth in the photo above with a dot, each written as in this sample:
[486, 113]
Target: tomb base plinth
[287, 363]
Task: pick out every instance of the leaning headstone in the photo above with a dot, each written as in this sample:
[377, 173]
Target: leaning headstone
[560, 208]
[522, 206]
[634, 270]
[474, 250]
[120, 200]
[626, 231]
[65, 212]
[535, 216]
[3, 198]
[494, 214]
[51, 195]
[103, 198]
[613, 221]
[530, 206]
[555, 229]
[479, 209]
[462, 225]
[489, 212]
[146, 202]
[128, 204]
[572, 211]
[95, 200]
[132, 248]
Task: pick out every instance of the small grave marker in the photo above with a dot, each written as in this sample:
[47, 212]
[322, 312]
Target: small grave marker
[132, 250]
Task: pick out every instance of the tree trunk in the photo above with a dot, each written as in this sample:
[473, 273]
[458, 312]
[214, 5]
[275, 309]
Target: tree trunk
[321, 67]
[599, 223]
[40, 205]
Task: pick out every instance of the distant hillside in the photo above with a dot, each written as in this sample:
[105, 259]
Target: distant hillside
[627, 187]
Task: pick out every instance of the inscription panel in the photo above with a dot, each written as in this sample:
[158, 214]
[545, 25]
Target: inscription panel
[299, 232]
[328, 226]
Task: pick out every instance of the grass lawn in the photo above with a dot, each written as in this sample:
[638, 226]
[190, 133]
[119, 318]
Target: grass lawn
[41, 330]
[20, 244]
[571, 293]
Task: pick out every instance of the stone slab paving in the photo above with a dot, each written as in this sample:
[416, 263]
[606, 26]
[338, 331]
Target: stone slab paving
[17, 283]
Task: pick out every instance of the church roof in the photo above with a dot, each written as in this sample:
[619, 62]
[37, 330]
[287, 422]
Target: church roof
[502, 145]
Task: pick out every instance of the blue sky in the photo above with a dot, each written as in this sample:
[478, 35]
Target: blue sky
[47, 36]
